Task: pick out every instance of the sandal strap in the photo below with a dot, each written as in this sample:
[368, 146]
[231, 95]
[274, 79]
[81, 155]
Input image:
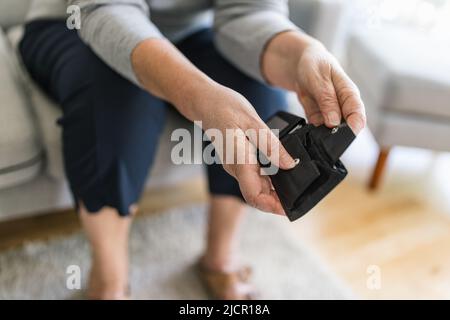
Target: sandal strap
[244, 273]
[220, 282]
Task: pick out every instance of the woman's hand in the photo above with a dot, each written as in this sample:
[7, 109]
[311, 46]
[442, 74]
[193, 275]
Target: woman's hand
[299, 63]
[228, 110]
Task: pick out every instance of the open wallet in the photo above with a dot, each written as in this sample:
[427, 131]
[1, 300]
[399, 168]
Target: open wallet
[318, 171]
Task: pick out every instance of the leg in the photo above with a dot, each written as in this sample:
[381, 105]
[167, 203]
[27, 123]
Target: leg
[225, 216]
[110, 134]
[107, 233]
[380, 167]
[226, 206]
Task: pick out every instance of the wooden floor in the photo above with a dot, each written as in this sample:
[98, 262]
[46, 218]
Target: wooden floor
[402, 231]
[401, 237]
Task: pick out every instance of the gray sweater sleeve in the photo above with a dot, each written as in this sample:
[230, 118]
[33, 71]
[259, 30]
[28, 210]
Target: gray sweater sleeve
[113, 28]
[244, 27]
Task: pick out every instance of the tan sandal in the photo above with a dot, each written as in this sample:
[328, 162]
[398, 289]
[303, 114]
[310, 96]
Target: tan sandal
[228, 285]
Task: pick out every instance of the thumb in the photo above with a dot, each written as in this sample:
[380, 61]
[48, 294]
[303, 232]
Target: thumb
[286, 161]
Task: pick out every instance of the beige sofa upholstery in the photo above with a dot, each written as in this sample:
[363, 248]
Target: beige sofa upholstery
[404, 80]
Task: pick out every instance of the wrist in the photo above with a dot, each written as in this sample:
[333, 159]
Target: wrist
[192, 97]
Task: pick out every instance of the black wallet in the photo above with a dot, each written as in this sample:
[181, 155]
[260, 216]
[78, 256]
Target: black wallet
[319, 169]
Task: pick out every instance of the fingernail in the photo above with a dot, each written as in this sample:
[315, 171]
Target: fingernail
[289, 163]
[333, 118]
[357, 127]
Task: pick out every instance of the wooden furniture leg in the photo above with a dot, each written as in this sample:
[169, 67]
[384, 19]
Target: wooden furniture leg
[379, 169]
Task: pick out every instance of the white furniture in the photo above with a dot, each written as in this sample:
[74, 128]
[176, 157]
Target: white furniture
[404, 80]
[31, 171]
[322, 19]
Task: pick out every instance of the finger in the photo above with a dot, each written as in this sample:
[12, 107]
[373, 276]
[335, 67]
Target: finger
[282, 212]
[324, 94]
[278, 208]
[356, 122]
[273, 191]
[256, 190]
[267, 142]
[351, 103]
[329, 105]
[312, 110]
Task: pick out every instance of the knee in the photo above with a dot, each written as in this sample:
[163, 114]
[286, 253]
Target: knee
[108, 98]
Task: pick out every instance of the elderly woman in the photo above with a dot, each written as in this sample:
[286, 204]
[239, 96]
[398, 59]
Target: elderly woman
[129, 62]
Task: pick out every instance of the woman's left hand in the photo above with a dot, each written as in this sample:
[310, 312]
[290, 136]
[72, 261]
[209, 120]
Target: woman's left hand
[299, 63]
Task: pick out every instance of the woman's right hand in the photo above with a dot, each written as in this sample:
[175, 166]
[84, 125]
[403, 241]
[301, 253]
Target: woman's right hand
[224, 109]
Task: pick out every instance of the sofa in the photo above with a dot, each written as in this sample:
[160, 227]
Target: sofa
[32, 178]
[404, 79]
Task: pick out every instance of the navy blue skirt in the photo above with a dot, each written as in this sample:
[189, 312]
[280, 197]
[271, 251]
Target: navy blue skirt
[111, 127]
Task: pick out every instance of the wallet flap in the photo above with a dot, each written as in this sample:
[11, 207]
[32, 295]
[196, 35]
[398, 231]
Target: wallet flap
[338, 141]
[334, 141]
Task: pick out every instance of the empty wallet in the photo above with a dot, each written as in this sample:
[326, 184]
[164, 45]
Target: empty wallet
[319, 169]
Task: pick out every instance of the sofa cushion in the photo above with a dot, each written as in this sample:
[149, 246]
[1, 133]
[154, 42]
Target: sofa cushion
[13, 12]
[20, 150]
[403, 72]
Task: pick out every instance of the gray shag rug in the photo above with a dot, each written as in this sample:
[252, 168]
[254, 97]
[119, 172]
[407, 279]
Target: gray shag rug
[164, 248]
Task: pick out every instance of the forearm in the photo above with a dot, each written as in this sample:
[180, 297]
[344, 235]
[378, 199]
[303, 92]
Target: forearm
[281, 55]
[164, 71]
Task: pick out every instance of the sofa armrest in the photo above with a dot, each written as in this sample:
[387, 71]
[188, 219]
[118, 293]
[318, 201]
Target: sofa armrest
[20, 147]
